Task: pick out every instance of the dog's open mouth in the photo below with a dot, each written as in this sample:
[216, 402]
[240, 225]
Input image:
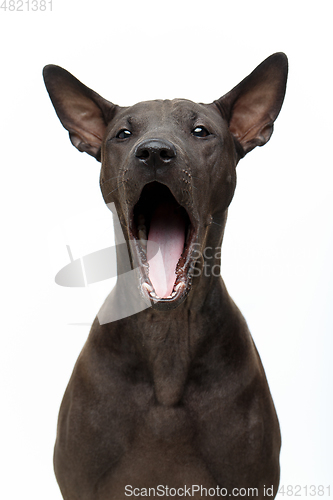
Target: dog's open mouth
[163, 236]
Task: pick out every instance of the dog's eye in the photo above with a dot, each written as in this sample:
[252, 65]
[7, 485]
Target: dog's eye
[123, 134]
[200, 132]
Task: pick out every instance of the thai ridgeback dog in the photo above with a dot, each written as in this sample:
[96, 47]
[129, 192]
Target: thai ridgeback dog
[172, 400]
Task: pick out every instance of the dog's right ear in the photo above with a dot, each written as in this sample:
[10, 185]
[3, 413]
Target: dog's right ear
[254, 104]
[83, 112]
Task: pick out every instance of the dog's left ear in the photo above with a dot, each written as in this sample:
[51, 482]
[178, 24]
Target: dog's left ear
[253, 105]
[83, 112]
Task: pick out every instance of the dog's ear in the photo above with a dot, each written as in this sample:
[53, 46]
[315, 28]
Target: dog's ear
[82, 112]
[252, 106]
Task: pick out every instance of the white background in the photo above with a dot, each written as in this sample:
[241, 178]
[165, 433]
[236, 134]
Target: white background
[277, 253]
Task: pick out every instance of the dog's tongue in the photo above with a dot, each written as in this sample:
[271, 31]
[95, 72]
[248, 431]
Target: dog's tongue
[167, 230]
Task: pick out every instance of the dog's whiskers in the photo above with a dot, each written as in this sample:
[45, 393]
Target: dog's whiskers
[108, 180]
[213, 222]
[115, 189]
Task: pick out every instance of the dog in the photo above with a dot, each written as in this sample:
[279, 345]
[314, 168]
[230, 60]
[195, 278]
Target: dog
[172, 400]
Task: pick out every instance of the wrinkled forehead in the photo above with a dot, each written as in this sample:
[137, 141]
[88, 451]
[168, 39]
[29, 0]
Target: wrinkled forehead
[161, 112]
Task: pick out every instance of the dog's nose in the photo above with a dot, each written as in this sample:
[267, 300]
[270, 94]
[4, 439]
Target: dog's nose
[154, 152]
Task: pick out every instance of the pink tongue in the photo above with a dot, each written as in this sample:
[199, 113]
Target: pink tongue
[167, 231]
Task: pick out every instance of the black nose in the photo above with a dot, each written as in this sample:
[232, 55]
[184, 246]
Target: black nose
[155, 152]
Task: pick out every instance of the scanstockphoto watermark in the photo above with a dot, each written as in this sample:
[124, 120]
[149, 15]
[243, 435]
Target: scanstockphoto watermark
[87, 269]
[195, 490]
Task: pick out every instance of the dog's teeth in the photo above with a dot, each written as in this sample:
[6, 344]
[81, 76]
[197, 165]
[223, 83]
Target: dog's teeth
[153, 294]
[143, 237]
[178, 286]
[142, 232]
[142, 227]
[147, 287]
[173, 294]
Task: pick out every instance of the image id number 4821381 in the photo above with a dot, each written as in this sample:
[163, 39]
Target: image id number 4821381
[26, 6]
[304, 491]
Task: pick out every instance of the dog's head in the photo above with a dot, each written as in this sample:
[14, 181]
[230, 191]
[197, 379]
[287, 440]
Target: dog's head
[169, 166]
